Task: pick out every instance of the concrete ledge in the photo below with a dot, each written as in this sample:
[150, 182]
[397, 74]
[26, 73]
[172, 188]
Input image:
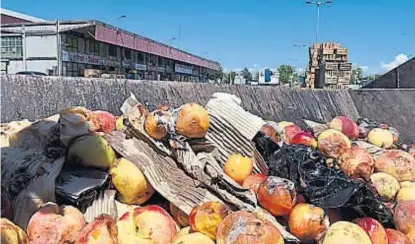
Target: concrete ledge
[37, 97]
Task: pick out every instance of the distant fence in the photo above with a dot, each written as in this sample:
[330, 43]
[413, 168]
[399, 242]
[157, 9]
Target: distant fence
[38, 97]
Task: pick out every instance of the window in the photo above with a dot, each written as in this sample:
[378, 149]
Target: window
[71, 69]
[140, 57]
[159, 61]
[94, 47]
[112, 51]
[11, 46]
[71, 43]
[127, 54]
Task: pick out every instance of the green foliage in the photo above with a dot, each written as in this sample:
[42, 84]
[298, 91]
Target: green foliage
[285, 73]
[246, 74]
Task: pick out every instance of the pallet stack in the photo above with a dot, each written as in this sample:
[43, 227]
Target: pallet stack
[332, 59]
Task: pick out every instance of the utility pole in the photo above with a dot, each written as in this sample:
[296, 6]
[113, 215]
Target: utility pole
[318, 4]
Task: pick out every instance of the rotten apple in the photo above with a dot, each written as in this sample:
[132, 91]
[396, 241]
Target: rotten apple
[308, 222]
[243, 227]
[102, 230]
[277, 195]
[149, 224]
[374, 229]
[333, 143]
[207, 217]
[253, 181]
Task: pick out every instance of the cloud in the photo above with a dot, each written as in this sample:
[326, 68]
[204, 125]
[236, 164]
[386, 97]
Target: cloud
[364, 68]
[398, 60]
[299, 70]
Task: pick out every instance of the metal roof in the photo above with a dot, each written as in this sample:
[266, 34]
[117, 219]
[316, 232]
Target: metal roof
[20, 15]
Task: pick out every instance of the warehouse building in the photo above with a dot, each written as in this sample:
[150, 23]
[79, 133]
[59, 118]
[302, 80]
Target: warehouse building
[92, 48]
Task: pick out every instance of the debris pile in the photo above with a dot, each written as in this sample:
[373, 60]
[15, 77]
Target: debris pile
[196, 175]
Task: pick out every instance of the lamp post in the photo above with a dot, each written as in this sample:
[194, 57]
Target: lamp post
[318, 4]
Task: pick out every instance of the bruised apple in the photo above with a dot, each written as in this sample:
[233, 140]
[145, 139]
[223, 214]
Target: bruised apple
[53, 224]
[406, 193]
[396, 237]
[277, 195]
[289, 132]
[193, 238]
[346, 232]
[270, 132]
[304, 138]
[182, 232]
[356, 162]
[243, 227]
[149, 224]
[404, 216]
[411, 236]
[345, 125]
[397, 163]
[207, 217]
[380, 137]
[107, 121]
[308, 222]
[282, 124]
[374, 229]
[386, 185]
[101, 230]
[333, 143]
[181, 217]
[253, 181]
[11, 233]
[93, 151]
[156, 124]
[131, 184]
[192, 121]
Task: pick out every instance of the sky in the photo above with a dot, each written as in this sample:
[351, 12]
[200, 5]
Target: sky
[380, 34]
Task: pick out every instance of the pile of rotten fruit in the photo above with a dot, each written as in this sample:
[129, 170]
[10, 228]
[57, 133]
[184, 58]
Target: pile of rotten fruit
[390, 172]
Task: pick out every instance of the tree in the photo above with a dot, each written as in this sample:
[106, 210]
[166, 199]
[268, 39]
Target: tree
[357, 76]
[285, 73]
[232, 75]
[246, 74]
[256, 76]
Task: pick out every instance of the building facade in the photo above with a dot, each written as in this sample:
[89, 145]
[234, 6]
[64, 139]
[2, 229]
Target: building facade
[93, 48]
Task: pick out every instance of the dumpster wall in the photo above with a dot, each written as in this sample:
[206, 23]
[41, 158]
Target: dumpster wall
[38, 97]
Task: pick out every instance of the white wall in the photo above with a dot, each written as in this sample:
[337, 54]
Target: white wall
[32, 65]
[41, 46]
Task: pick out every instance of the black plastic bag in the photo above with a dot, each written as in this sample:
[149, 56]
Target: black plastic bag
[80, 186]
[323, 186]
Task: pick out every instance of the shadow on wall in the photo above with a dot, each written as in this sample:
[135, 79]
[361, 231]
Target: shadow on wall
[38, 97]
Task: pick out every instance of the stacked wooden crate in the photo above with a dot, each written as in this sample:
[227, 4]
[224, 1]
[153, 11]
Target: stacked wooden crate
[334, 59]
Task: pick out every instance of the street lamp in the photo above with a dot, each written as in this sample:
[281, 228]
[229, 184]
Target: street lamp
[318, 4]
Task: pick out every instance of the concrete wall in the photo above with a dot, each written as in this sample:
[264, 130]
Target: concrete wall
[37, 97]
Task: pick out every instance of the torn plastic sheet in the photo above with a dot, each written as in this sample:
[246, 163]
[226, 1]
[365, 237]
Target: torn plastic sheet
[80, 186]
[327, 187]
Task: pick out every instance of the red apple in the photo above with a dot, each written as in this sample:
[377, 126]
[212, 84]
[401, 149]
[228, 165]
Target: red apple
[289, 132]
[404, 216]
[345, 125]
[304, 138]
[150, 223]
[253, 181]
[101, 230]
[107, 121]
[396, 237]
[374, 229]
[357, 162]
